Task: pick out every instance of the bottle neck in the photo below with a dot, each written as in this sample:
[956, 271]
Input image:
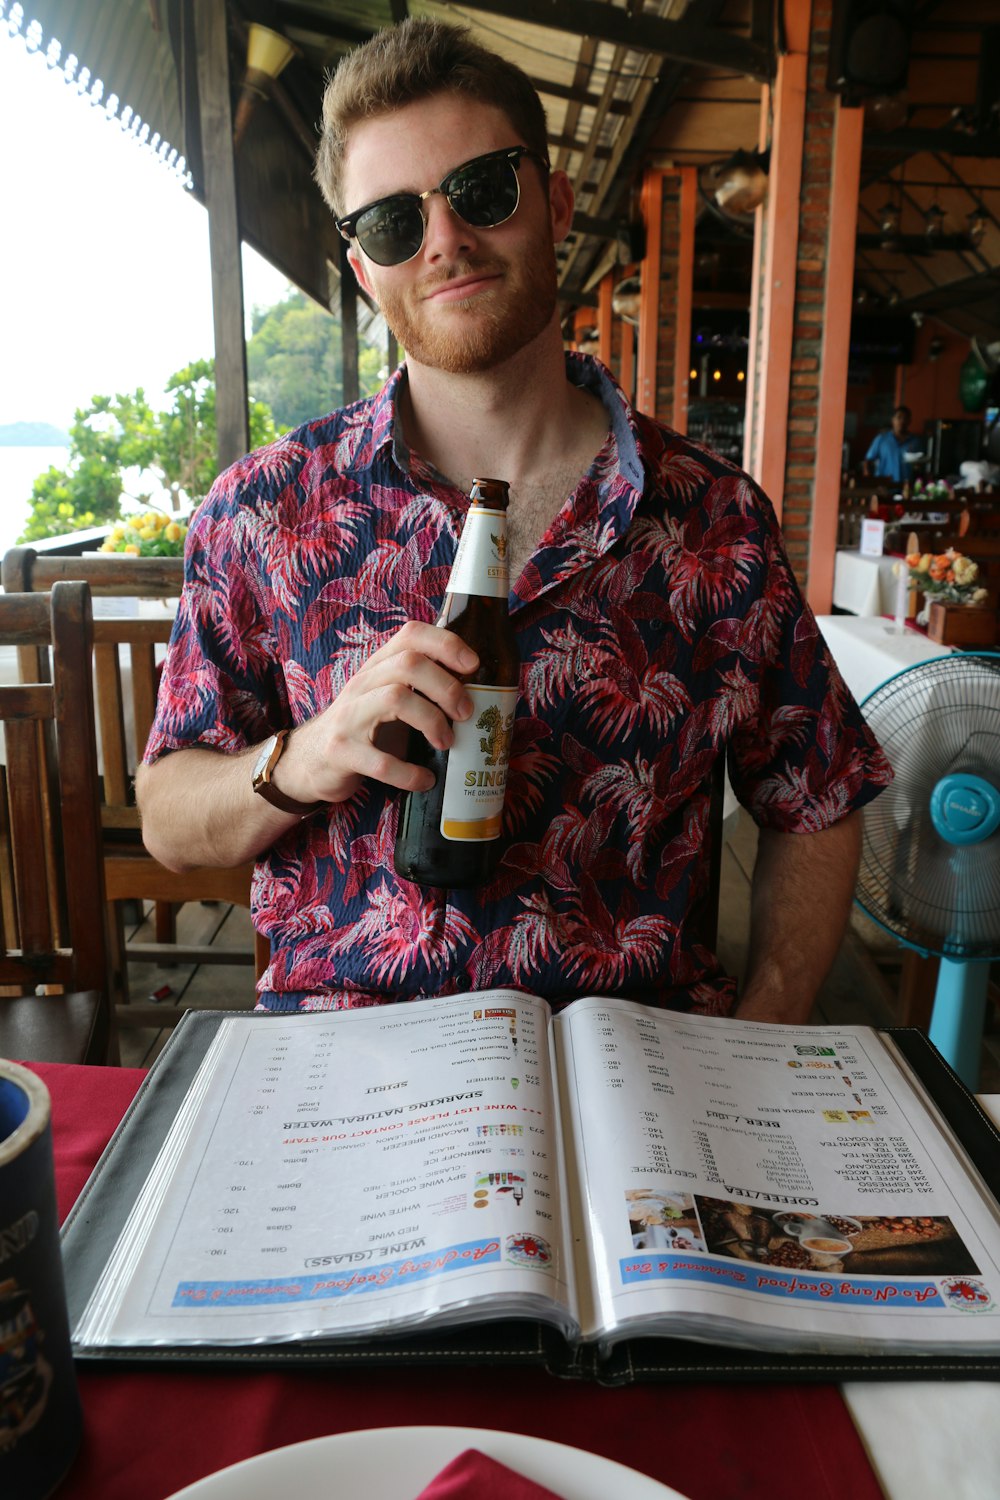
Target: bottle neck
[481, 565]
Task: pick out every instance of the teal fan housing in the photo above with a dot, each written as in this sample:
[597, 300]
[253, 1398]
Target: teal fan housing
[930, 863]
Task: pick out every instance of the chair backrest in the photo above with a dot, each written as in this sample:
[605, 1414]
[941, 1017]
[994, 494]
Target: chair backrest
[25, 571]
[124, 718]
[125, 712]
[53, 916]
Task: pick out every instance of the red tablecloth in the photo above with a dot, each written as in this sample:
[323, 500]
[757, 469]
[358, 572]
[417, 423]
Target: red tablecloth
[149, 1434]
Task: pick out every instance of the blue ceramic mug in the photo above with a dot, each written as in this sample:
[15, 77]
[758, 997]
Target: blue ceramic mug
[40, 1418]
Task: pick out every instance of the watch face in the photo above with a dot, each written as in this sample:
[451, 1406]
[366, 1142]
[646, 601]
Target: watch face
[264, 757]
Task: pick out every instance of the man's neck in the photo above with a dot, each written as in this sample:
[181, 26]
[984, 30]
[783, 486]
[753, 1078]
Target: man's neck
[515, 422]
[523, 422]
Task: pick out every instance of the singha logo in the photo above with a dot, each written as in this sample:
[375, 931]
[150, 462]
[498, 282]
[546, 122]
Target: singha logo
[495, 744]
[499, 545]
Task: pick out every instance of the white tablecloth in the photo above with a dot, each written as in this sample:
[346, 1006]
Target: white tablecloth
[869, 650]
[928, 1440]
[864, 585]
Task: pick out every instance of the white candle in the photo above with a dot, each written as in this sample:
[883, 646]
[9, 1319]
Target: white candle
[902, 595]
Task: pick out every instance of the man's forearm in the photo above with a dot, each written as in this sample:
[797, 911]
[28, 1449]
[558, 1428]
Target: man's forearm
[803, 886]
[198, 808]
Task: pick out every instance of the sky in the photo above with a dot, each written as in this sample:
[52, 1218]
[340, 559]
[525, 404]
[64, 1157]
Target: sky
[104, 264]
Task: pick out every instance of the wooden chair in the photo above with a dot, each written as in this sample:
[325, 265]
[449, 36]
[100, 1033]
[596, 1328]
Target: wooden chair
[55, 997]
[131, 874]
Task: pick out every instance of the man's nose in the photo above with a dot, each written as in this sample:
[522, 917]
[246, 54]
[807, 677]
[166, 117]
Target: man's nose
[446, 236]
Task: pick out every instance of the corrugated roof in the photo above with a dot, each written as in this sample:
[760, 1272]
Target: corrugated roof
[118, 57]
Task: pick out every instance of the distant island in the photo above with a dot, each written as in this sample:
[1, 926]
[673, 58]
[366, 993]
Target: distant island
[32, 435]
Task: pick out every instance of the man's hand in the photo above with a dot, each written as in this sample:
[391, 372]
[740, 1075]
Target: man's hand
[198, 806]
[413, 681]
[803, 886]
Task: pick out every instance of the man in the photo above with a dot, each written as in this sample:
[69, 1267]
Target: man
[657, 618]
[886, 458]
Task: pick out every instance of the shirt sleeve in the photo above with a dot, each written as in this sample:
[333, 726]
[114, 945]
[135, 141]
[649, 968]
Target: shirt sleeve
[805, 758]
[874, 448]
[219, 687]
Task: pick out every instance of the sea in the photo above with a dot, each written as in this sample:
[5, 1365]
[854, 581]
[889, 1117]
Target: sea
[19, 468]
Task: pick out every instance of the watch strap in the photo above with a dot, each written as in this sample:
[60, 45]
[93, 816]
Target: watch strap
[265, 787]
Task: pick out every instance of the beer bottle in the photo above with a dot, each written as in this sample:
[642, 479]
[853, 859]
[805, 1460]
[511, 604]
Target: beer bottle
[450, 835]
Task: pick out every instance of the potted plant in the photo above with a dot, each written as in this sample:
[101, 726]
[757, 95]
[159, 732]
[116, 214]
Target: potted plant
[956, 608]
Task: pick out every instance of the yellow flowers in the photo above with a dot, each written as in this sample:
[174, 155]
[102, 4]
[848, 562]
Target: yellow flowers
[150, 535]
[946, 575]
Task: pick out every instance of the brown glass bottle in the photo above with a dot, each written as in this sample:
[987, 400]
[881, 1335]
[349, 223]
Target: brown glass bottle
[450, 836]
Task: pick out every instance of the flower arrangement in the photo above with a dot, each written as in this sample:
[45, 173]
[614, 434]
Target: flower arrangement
[948, 576]
[932, 489]
[150, 535]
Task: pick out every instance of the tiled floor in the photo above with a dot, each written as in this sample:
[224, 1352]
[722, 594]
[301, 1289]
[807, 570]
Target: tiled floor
[861, 988]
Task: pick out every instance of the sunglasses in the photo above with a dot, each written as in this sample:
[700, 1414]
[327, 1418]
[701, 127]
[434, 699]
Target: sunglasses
[484, 192]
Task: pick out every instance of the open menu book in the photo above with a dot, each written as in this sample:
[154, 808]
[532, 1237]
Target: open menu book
[612, 1173]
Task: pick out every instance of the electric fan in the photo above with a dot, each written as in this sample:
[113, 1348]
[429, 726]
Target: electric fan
[930, 864]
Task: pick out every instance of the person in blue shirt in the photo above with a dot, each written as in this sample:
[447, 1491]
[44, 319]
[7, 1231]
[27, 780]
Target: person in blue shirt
[885, 458]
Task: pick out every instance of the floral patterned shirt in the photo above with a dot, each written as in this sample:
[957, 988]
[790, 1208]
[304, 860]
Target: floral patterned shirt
[659, 626]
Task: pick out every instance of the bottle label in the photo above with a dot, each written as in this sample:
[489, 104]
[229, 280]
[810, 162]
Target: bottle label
[476, 777]
[481, 565]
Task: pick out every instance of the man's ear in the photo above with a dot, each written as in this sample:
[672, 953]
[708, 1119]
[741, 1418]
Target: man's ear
[561, 201]
[360, 270]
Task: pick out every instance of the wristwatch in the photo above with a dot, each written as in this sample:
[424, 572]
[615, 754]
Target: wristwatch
[270, 754]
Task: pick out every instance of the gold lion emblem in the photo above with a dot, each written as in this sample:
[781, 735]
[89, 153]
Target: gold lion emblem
[500, 543]
[495, 743]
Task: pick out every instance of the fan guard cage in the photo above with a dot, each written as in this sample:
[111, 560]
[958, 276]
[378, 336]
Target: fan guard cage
[933, 719]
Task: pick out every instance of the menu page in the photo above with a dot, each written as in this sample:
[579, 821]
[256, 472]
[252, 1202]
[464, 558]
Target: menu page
[777, 1187]
[336, 1173]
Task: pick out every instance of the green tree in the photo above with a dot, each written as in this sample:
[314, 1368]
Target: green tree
[123, 432]
[182, 446]
[295, 361]
[106, 437]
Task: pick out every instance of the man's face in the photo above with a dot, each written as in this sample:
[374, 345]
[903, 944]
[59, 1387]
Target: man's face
[470, 298]
[900, 422]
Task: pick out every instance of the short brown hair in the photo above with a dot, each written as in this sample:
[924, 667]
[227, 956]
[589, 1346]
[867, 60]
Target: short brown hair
[414, 60]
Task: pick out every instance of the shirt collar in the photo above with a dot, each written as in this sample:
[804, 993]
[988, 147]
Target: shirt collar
[581, 369]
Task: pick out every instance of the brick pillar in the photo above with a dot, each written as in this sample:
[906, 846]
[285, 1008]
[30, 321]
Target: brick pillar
[810, 287]
[669, 205]
[801, 305]
[668, 353]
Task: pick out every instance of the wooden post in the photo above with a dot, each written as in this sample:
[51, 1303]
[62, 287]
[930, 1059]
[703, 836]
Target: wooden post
[845, 186]
[776, 306]
[685, 297]
[215, 111]
[649, 295]
[348, 329]
[626, 374]
[604, 318]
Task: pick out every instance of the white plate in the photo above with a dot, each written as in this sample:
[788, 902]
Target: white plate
[396, 1463]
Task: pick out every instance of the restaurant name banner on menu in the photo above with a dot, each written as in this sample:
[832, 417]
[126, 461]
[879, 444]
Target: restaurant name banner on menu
[612, 1171]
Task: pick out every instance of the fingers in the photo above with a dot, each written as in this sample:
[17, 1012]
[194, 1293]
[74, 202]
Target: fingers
[416, 691]
[430, 641]
[413, 682]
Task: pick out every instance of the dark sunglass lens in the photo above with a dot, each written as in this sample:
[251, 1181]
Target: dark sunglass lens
[484, 193]
[391, 232]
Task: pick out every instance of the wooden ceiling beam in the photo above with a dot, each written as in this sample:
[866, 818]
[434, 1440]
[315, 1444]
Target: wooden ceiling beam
[577, 95]
[571, 115]
[686, 41]
[570, 143]
[948, 142]
[321, 21]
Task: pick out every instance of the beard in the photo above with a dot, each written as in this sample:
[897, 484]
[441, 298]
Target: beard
[466, 338]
